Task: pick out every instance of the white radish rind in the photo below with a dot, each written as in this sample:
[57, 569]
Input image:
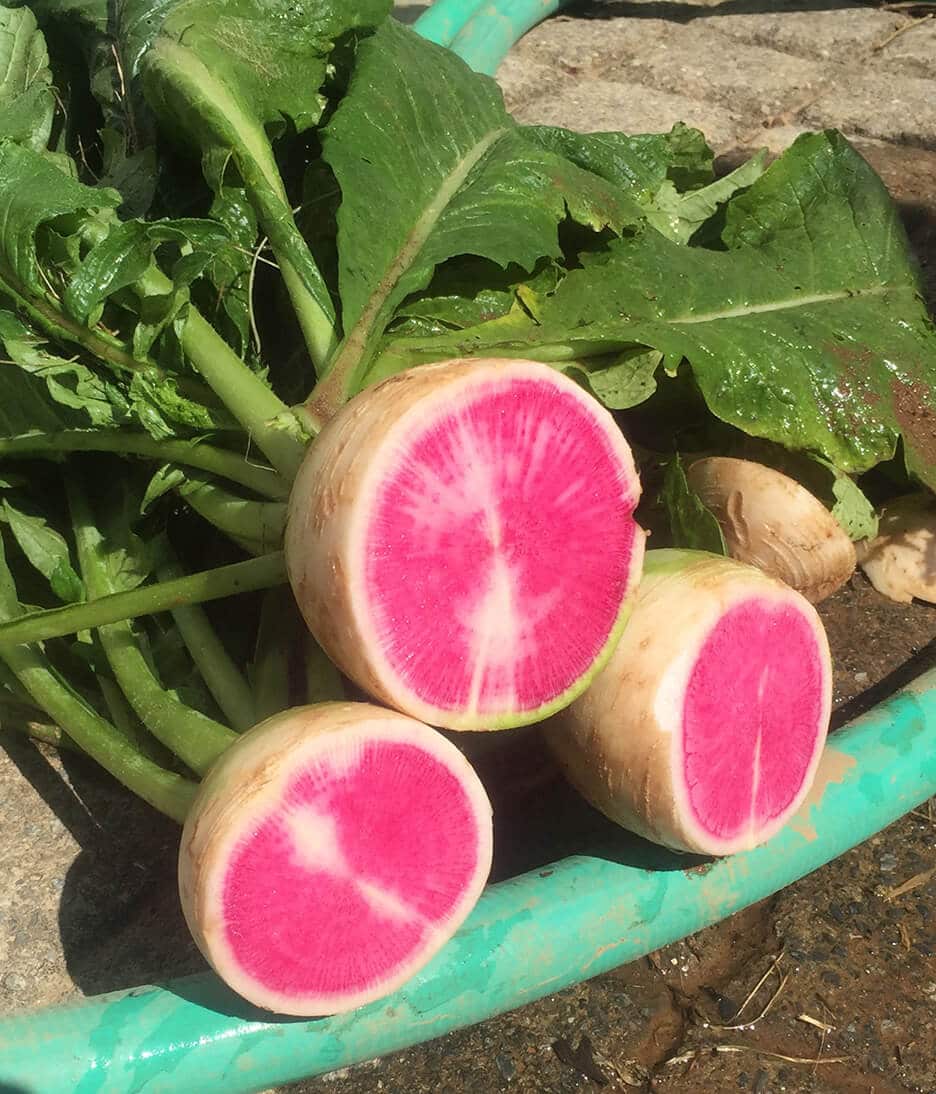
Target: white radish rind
[704, 731]
[461, 541]
[900, 562]
[774, 523]
[330, 853]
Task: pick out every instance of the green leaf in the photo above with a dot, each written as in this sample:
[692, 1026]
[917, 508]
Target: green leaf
[640, 164]
[265, 59]
[230, 73]
[852, 509]
[626, 380]
[34, 192]
[162, 407]
[692, 524]
[469, 291]
[163, 482]
[127, 557]
[679, 216]
[133, 173]
[46, 550]
[27, 104]
[425, 144]
[809, 330]
[126, 253]
[70, 384]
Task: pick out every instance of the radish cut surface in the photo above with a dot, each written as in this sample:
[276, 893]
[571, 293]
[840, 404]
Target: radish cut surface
[758, 671]
[704, 731]
[461, 541]
[331, 852]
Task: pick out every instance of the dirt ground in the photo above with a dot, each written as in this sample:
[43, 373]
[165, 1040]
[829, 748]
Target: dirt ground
[84, 912]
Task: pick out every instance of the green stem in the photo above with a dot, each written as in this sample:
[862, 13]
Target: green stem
[205, 457]
[59, 325]
[174, 72]
[270, 424]
[222, 676]
[126, 722]
[277, 638]
[169, 793]
[194, 737]
[240, 577]
[257, 525]
[45, 732]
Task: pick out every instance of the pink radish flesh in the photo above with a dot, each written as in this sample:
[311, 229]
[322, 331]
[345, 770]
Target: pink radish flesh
[501, 546]
[755, 696]
[326, 894]
[330, 853]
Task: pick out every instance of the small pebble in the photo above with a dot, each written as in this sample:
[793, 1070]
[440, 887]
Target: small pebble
[505, 1066]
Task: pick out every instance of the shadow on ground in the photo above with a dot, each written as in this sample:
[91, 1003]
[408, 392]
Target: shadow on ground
[119, 918]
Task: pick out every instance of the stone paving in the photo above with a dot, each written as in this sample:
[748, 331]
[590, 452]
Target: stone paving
[746, 76]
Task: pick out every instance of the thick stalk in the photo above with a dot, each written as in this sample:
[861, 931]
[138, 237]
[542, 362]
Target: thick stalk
[240, 577]
[194, 737]
[166, 791]
[205, 457]
[126, 722]
[221, 675]
[171, 71]
[257, 525]
[277, 638]
[269, 423]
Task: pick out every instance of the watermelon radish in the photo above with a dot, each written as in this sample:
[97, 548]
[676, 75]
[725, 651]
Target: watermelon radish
[461, 541]
[329, 853]
[704, 731]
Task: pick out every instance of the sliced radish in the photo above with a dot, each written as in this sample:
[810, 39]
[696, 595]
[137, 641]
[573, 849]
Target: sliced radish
[330, 853]
[704, 730]
[461, 541]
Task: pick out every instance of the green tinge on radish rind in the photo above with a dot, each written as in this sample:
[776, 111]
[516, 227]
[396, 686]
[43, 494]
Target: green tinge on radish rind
[516, 721]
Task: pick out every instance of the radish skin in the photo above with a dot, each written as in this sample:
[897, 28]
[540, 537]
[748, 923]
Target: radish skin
[461, 541]
[899, 561]
[704, 731]
[773, 522]
[329, 854]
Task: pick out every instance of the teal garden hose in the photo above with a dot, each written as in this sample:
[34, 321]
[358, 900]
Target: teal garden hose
[527, 937]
